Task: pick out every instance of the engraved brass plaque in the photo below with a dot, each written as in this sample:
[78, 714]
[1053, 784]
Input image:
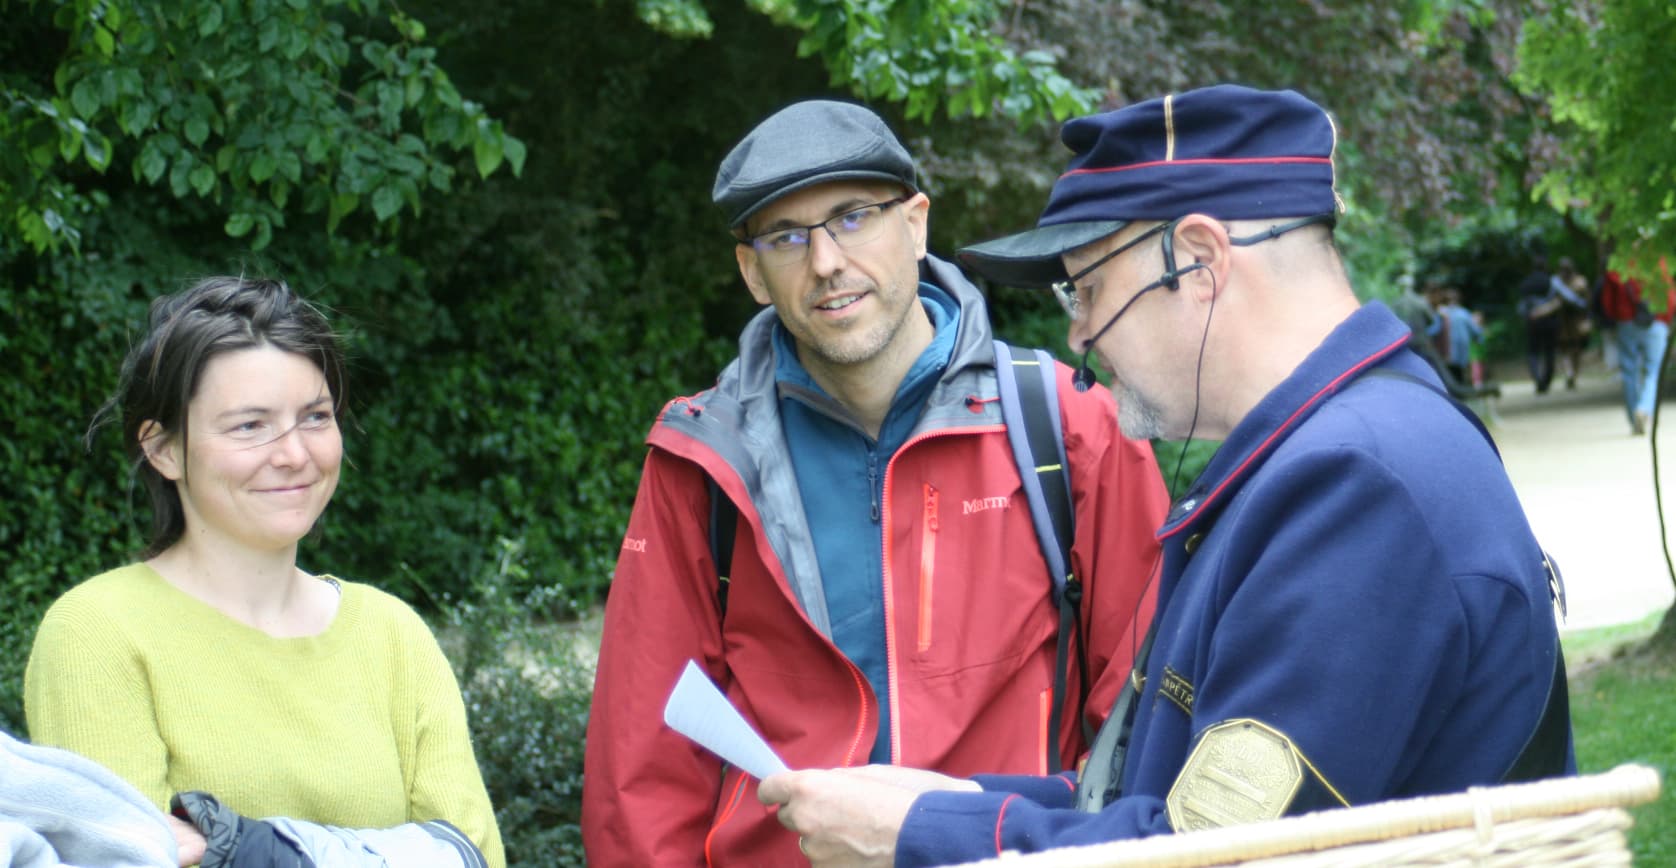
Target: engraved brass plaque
[1240, 772]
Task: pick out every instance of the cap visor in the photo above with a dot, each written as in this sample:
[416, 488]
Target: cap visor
[1031, 259]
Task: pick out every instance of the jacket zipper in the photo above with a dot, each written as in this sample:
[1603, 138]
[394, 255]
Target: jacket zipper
[927, 564]
[724, 813]
[891, 662]
[873, 480]
[1049, 739]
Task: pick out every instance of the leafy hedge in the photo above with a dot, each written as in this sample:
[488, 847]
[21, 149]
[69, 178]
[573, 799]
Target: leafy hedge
[526, 686]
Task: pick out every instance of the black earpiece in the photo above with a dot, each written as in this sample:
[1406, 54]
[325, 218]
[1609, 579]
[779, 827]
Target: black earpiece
[1172, 279]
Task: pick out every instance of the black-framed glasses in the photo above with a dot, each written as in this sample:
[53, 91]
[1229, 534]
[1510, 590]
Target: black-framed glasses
[788, 245]
[1066, 290]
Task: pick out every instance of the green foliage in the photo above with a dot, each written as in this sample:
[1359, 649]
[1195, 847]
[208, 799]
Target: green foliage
[1486, 257]
[526, 690]
[60, 502]
[926, 55]
[504, 372]
[682, 19]
[482, 426]
[17, 633]
[264, 108]
[1601, 67]
[69, 513]
[1181, 462]
[1430, 18]
[1407, 85]
[514, 334]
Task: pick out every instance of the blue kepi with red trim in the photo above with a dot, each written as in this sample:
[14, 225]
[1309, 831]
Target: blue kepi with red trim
[1230, 152]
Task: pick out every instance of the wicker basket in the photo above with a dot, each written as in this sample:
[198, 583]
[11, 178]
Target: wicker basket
[1559, 822]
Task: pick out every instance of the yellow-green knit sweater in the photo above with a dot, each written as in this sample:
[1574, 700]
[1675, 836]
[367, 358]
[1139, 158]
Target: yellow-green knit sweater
[361, 726]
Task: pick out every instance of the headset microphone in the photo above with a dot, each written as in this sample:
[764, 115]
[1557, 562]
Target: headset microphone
[1084, 376]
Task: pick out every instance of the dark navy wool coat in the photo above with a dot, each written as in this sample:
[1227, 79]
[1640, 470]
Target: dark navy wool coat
[1353, 570]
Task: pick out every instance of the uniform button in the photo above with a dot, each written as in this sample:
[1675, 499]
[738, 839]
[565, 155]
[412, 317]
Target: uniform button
[1192, 543]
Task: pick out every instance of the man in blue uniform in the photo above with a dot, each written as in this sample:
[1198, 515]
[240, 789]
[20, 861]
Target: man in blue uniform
[1336, 623]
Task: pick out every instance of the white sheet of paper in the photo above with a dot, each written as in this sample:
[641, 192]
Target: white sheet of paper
[698, 710]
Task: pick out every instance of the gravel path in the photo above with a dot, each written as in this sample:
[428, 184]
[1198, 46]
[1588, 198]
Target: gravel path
[1587, 487]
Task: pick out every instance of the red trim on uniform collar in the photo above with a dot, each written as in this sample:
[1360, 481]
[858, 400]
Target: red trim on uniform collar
[1275, 434]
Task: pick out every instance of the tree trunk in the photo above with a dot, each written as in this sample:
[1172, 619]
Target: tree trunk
[1664, 638]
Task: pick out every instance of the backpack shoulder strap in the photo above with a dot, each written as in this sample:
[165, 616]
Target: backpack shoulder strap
[1030, 408]
[724, 521]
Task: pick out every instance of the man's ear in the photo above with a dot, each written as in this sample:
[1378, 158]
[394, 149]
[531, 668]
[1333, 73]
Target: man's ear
[162, 452]
[1203, 240]
[917, 210]
[747, 257]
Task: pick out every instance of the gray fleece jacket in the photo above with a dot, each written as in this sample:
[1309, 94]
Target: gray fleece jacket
[58, 808]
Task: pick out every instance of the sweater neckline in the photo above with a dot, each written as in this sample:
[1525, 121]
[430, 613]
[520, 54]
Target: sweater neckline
[199, 620]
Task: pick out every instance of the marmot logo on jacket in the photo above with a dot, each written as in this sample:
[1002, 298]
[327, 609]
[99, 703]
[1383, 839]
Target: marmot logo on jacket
[631, 544]
[984, 503]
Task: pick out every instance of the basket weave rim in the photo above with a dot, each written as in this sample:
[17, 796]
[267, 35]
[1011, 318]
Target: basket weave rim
[1478, 807]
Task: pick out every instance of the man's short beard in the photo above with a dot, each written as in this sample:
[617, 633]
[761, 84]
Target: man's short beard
[1140, 419]
[856, 347]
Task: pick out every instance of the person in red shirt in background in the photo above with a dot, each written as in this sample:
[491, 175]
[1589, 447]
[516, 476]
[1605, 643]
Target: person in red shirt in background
[1641, 335]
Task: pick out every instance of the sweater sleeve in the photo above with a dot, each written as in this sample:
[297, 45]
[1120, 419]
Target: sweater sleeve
[86, 690]
[446, 782]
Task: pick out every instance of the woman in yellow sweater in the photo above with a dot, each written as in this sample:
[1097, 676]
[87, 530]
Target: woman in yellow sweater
[214, 663]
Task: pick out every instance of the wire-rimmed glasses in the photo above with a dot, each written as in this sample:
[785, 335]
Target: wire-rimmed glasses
[1066, 290]
[787, 245]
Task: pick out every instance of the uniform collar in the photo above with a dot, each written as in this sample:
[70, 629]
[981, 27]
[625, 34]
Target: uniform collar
[1365, 339]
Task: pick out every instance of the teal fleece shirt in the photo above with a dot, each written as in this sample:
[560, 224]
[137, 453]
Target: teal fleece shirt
[841, 473]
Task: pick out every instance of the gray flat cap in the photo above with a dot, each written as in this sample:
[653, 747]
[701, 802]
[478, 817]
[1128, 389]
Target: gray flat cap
[805, 144]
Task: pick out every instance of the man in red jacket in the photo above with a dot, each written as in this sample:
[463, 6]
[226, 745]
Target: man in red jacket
[1641, 335]
[888, 601]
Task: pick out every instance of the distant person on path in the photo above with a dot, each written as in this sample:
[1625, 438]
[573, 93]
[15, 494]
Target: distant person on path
[1337, 624]
[887, 599]
[1641, 336]
[1539, 306]
[1465, 331]
[1436, 300]
[213, 672]
[1575, 323]
[1425, 324]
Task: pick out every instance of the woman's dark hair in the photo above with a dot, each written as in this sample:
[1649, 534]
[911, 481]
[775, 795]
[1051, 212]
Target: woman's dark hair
[184, 332]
